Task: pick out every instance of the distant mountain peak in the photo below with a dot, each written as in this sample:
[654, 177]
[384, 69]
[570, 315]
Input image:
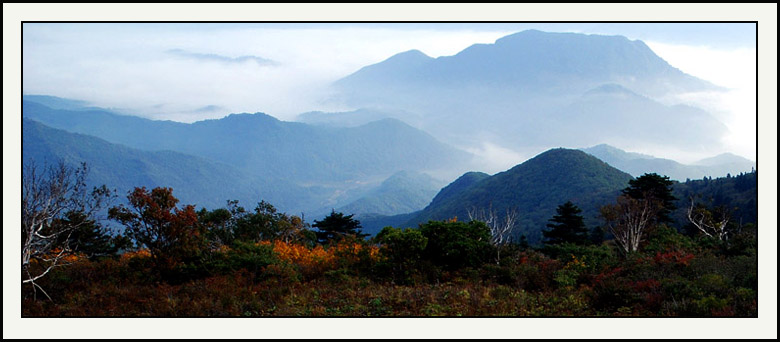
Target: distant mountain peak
[414, 53]
[536, 34]
[411, 58]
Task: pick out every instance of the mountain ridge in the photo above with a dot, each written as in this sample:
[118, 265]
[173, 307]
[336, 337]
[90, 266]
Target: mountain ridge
[637, 164]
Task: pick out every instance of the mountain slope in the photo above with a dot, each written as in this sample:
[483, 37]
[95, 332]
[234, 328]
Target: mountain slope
[264, 146]
[457, 187]
[536, 187]
[194, 180]
[738, 193]
[404, 192]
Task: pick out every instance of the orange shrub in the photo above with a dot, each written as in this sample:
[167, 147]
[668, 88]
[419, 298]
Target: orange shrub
[318, 260]
[141, 253]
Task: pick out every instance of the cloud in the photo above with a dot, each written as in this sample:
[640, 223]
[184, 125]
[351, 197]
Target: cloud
[733, 68]
[134, 66]
[219, 58]
[208, 109]
[493, 158]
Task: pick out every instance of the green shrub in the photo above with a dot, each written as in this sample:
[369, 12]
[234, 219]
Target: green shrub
[455, 245]
[664, 238]
[251, 257]
[401, 252]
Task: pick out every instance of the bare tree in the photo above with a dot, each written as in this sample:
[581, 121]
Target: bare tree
[628, 219]
[501, 228]
[711, 223]
[48, 195]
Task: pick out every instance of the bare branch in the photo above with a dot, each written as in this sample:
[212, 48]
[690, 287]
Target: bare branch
[629, 218]
[713, 224]
[48, 196]
[501, 229]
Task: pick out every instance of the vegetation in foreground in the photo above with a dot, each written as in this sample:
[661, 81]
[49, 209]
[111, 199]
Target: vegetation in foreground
[176, 261]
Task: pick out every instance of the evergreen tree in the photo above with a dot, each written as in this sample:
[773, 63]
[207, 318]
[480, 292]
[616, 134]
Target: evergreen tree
[337, 226]
[597, 235]
[567, 226]
[89, 237]
[655, 186]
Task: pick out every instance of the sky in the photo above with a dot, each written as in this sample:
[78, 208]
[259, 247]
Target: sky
[189, 72]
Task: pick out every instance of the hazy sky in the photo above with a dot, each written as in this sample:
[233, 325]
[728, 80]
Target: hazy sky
[190, 72]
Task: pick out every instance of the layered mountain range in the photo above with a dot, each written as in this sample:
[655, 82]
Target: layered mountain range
[535, 90]
[638, 164]
[535, 188]
[301, 167]
[388, 161]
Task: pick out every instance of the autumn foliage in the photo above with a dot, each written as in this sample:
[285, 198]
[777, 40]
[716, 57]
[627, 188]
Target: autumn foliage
[232, 263]
[171, 234]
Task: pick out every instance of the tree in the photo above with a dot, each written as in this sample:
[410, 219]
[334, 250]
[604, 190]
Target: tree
[628, 219]
[336, 226]
[713, 223]
[567, 226]
[655, 186]
[402, 251]
[171, 234]
[500, 229]
[226, 226]
[455, 244]
[49, 196]
[90, 238]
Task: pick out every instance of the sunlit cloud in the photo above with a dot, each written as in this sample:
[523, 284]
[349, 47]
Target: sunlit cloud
[734, 69]
[492, 158]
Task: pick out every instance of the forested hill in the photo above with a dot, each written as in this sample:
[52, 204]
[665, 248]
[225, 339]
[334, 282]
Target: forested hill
[535, 188]
[738, 193]
[196, 180]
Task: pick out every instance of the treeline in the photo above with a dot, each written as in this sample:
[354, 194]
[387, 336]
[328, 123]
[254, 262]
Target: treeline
[174, 260]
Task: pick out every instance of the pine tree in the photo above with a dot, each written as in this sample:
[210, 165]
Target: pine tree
[337, 226]
[567, 226]
[653, 186]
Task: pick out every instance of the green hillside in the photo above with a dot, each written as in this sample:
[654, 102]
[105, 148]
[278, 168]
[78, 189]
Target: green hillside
[196, 180]
[535, 188]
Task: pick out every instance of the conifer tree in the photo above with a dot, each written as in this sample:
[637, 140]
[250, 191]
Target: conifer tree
[337, 226]
[653, 186]
[567, 226]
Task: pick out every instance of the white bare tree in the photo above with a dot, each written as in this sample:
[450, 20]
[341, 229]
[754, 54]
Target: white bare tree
[628, 219]
[48, 195]
[501, 228]
[712, 223]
